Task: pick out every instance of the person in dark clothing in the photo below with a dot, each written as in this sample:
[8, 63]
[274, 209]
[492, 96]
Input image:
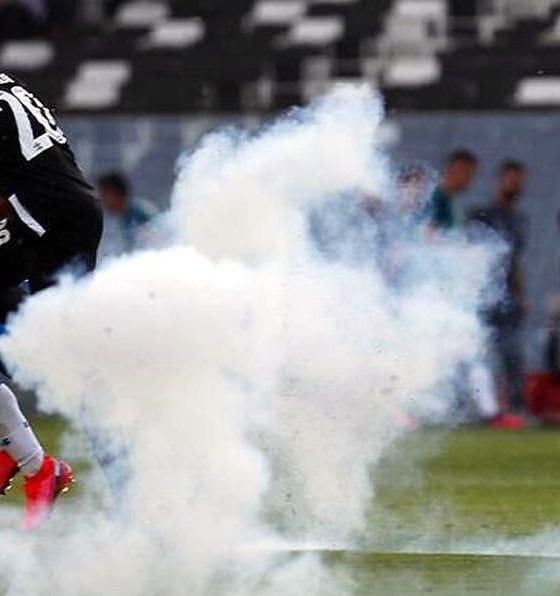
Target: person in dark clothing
[460, 170]
[50, 219]
[125, 218]
[50, 216]
[506, 314]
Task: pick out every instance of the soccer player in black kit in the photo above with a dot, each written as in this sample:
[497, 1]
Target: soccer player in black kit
[49, 220]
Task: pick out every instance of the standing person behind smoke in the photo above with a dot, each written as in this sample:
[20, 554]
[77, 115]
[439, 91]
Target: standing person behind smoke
[552, 307]
[415, 183]
[126, 219]
[548, 340]
[552, 341]
[458, 175]
[474, 377]
[506, 314]
[542, 384]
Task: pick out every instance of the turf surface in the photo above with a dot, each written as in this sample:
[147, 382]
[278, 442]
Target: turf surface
[461, 512]
[465, 512]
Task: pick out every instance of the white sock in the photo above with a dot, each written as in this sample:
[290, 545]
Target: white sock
[16, 436]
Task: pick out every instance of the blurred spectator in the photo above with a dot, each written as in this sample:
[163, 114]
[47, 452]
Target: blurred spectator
[542, 386]
[459, 173]
[474, 381]
[552, 309]
[125, 219]
[552, 345]
[505, 316]
[415, 183]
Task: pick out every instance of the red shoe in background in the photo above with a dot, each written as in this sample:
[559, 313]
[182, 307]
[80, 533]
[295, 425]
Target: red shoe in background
[8, 469]
[42, 489]
[508, 421]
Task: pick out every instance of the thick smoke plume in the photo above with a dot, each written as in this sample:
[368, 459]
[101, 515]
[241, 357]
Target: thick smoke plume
[245, 379]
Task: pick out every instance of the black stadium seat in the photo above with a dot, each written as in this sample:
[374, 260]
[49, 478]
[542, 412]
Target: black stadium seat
[232, 49]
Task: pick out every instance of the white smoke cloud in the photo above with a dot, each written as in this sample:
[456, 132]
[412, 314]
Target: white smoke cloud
[251, 382]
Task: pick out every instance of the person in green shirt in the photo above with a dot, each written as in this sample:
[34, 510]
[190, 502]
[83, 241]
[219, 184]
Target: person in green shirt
[458, 175]
[473, 376]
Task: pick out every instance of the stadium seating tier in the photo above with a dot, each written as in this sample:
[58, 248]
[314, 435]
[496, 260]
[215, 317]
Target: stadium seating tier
[268, 54]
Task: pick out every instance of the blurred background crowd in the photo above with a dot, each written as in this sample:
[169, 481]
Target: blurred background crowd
[471, 89]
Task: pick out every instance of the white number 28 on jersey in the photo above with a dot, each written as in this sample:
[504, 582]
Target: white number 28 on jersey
[26, 106]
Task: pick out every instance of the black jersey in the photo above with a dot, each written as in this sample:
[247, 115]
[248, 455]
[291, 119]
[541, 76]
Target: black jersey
[38, 172]
[55, 220]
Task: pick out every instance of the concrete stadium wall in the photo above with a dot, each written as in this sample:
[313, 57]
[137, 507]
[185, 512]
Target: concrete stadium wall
[148, 147]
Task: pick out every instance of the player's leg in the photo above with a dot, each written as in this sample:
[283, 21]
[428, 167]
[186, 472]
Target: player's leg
[43, 488]
[18, 445]
[514, 368]
[45, 477]
[483, 389]
[17, 440]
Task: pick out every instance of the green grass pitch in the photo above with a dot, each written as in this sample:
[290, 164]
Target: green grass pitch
[469, 511]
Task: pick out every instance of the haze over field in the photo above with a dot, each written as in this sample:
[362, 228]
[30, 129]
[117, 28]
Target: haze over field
[247, 377]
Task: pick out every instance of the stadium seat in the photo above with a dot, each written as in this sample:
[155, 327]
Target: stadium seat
[538, 91]
[426, 9]
[412, 71]
[333, 2]
[542, 394]
[175, 33]
[26, 55]
[141, 13]
[318, 31]
[419, 52]
[415, 24]
[97, 85]
[272, 12]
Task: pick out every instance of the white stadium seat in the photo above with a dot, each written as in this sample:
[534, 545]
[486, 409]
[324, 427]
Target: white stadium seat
[316, 31]
[317, 68]
[406, 31]
[415, 24]
[527, 8]
[141, 13]
[552, 35]
[421, 9]
[97, 84]
[26, 55]
[105, 70]
[272, 12]
[175, 33]
[372, 68]
[538, 91]
[412, 71]
[333, 2]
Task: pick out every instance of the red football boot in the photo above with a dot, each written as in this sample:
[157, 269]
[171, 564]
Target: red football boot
[8, 469]
[42, 489]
